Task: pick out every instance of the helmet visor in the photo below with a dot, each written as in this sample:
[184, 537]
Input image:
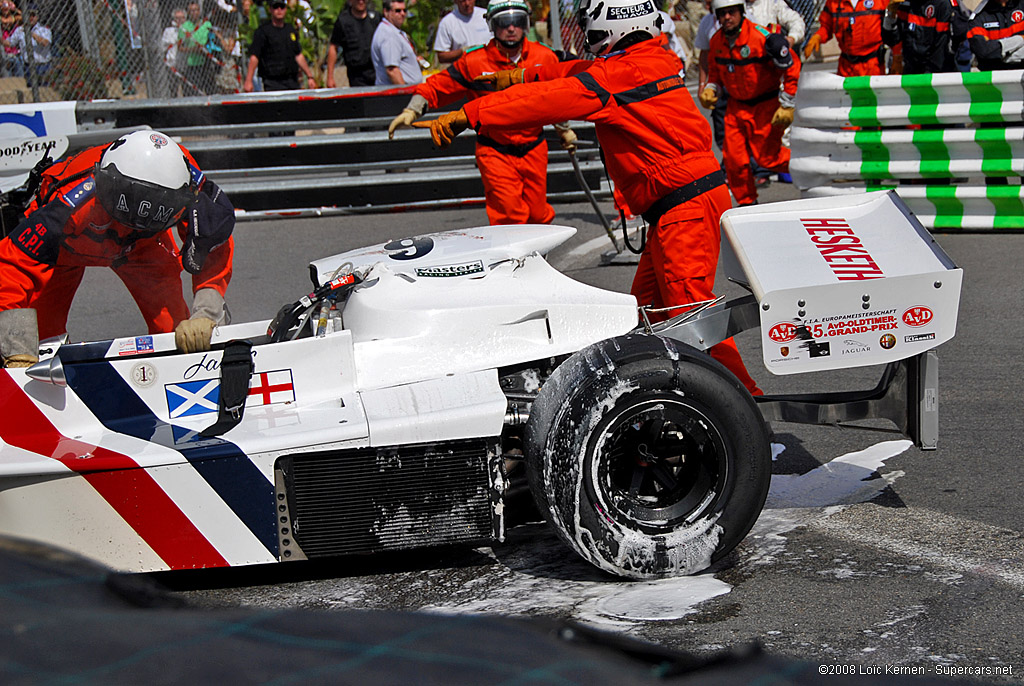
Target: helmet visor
[507, 19]
[143, 206]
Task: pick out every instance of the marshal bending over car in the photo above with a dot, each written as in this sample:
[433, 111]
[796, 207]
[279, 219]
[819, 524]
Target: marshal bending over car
[386, 409]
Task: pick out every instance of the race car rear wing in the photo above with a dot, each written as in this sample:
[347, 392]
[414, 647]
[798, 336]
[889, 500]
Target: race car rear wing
[843, 282]
[836, 283]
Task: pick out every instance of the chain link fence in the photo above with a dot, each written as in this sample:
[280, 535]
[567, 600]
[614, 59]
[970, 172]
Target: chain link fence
[93, 49]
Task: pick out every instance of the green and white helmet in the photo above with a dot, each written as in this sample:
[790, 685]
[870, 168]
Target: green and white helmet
[503, 13]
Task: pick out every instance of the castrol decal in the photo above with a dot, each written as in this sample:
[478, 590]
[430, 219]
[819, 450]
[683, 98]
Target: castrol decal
[842, 249]
[918, 316]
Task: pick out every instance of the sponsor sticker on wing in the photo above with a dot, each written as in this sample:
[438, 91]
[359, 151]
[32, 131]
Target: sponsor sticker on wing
[271, 388]
[189, 398]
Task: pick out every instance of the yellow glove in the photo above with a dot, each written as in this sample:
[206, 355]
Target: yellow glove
[503, 79]
[568, 139]
[708, 97]
[783, 117]
[406, 118]
[18, 361]
[813, 44]
[445, 128]
[193, 335]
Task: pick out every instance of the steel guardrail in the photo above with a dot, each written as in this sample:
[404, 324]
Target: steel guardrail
[326, 151]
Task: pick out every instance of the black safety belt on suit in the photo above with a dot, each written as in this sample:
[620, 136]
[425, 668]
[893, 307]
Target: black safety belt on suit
[676, 197]
[236, 368]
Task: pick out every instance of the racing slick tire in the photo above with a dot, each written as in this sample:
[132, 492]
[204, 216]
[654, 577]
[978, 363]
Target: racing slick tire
[648, 457]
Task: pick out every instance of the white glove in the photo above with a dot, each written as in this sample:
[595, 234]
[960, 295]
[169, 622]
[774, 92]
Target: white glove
[405, 118]
[19, 337]
[1010, 45]
[413, 111]
[1015, 56]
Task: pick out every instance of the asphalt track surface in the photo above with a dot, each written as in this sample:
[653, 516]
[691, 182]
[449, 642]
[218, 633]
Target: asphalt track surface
[870, 554]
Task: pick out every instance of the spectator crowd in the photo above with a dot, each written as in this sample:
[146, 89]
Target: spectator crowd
[207, 45]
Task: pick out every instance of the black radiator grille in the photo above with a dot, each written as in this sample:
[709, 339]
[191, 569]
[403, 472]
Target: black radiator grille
[371, 500]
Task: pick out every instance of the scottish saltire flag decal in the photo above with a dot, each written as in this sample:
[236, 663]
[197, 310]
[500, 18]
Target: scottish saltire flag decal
[189, 398]
[271, 388]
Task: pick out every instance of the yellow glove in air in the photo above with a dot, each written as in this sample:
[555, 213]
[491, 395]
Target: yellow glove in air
[813, 44]
[406, 118]
[503, 79]
[783, 117]
[708, 97]
[193, 335]
[445, 128]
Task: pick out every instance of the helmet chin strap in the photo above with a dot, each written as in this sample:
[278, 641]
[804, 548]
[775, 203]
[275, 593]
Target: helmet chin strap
[512, 45]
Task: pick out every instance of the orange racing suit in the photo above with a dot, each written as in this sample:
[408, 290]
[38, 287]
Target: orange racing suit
[756, 88]
[857, 25]
[657, 149]
[513, 163]
[43, 260]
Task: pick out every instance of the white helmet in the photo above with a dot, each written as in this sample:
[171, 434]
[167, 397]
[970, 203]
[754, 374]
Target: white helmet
[606, 22]
[143, 181]
[722, 4]
[502, 13]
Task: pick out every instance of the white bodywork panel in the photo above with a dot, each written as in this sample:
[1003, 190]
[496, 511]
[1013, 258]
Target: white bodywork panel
[412, 329]
[449, 408]
[69, 513]
[843, 282]
[448, 254]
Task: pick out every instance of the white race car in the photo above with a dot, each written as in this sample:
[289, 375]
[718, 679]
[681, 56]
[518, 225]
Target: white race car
[390, 408]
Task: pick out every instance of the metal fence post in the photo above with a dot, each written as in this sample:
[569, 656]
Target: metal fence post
[555, 26]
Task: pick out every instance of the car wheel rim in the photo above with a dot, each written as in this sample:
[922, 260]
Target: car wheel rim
[660, 462]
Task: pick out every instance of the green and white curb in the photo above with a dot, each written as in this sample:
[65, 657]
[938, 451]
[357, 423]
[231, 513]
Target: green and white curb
[941, 134]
